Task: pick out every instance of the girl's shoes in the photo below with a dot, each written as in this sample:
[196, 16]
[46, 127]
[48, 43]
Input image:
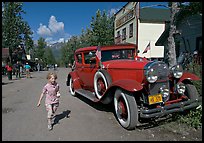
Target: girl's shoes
[49, 127]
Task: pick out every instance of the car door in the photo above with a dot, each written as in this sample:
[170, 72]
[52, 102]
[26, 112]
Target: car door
[79, 66]
[88, 69]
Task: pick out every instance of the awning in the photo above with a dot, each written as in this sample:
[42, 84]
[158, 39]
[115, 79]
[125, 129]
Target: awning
[5, 52]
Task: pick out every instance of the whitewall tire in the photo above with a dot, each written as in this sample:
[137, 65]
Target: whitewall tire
[71, 87]
[100, 84]
[125, 109]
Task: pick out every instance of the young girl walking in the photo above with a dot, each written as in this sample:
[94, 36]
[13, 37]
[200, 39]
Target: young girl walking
[51, 91]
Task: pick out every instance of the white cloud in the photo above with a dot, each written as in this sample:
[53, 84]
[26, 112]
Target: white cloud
[44, 31]
[55, 26]
[54, 32]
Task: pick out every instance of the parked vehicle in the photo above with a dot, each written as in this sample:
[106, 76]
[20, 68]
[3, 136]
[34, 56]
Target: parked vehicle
[138, 88]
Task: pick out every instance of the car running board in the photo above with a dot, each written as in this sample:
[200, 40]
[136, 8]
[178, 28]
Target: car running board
[88, 94]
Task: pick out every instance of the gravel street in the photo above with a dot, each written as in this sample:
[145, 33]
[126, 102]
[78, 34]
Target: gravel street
[77, 118]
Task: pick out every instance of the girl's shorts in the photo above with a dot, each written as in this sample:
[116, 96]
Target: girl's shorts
[51, 109]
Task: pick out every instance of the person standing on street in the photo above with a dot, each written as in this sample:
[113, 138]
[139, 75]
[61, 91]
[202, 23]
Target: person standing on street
[27, 68]
[9, 70]
[21, 69]
[3, 68]
[51, 91]
[38, 67]
[18, 70]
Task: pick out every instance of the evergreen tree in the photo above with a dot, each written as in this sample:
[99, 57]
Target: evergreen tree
[15, 31]
[40, 50]
[64, 55]
[101, 32]
[102, 29]
[28, 42]
[49, 57]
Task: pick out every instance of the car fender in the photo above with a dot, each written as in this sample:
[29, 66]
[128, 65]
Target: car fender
[188, 76]
[75, 78]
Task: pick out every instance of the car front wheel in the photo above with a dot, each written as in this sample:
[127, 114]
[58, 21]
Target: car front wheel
[71, 87]
[126, 109]
[191, 92]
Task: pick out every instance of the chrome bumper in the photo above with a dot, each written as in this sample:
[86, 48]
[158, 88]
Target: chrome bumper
[176, 107]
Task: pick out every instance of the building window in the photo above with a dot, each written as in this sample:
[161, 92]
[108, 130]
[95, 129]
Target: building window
[125, 18]
[118, 38]
[131, 30]
[124, 34]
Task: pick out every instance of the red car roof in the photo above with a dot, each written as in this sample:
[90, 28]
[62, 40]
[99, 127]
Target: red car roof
[121, 46]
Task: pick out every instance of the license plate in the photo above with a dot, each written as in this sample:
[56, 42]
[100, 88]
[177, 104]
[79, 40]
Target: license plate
[155, 99]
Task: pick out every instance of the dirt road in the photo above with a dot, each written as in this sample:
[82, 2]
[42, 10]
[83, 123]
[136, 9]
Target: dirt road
[77, 118]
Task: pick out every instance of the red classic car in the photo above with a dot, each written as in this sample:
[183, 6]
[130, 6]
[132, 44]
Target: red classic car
[138, 88]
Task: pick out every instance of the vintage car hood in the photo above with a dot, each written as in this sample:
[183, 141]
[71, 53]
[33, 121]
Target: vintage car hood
[125, 64]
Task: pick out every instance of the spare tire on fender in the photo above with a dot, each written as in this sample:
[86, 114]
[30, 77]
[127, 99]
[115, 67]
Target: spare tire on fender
[102, 81]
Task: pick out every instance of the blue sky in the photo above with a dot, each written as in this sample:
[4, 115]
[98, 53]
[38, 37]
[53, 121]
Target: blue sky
[58, 21]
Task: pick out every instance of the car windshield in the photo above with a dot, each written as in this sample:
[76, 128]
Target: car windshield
[117, 54]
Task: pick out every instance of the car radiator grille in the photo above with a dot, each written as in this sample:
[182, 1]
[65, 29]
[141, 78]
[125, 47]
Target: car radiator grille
[155, 87]
[163, 72]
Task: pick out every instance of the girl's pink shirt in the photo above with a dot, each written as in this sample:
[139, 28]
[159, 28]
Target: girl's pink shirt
[50, 90]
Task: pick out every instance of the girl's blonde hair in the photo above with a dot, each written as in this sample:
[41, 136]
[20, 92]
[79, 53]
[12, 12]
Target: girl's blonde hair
[50, 74]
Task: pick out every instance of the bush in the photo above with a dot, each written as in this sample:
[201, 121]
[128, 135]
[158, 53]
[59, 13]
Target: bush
[194, 118]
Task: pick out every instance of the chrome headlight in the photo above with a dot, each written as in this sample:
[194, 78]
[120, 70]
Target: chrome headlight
[151, 75]
[177, 71]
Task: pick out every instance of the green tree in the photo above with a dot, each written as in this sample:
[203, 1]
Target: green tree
[28, 42]
[186, 10]
[102, 28]
[68, 50]
[40, 49]
[64, 55]
[101, 32]
[48, 56]
[15, 30]
[85, 38]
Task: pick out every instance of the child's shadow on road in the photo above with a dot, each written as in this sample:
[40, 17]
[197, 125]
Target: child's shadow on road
[61, 116]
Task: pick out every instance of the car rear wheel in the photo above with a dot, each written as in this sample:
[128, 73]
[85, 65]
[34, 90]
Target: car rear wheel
[101, 82]
[126, 109]
[71, 87]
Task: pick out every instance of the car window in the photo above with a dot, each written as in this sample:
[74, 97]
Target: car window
[117, 54]
[89, 57]
[79, 58]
